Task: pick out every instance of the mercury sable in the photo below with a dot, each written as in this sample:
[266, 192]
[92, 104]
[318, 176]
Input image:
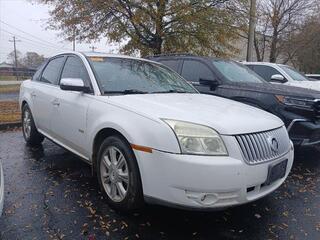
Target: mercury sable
[150, 136]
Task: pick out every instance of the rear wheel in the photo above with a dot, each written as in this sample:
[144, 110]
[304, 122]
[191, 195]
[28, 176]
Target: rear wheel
[30, 132]
[118, 174]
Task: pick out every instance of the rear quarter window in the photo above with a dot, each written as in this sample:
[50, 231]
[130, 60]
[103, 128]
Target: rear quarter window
[37, 74]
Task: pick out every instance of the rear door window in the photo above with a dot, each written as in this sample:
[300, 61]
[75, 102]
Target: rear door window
[194, 70]
[52, 71]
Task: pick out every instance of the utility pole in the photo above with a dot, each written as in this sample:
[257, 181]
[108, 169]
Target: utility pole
[14, 40]
[93, 48]
[252, 21]
[74, 40]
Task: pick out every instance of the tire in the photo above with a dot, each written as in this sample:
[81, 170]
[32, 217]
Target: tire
[29, 130]
[120, 185]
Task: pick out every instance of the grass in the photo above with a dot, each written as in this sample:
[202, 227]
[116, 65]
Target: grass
[9, 88]
[8, 78]
[12, 78]
[9, 112]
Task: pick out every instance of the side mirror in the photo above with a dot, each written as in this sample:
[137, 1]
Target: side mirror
[73, 84]
[278, 78]
[211, 83]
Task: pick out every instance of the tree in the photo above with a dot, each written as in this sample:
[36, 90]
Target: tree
[305, 46]
[150, 26]
[32, 60]
[11, 58]
[278, 19]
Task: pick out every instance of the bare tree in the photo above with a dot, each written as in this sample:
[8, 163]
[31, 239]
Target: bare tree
[305, 46]
[11, 58]
[261, 37]
[277, 20]
[32, 59]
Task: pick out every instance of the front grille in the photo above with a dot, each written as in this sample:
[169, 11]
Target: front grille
[264, 146]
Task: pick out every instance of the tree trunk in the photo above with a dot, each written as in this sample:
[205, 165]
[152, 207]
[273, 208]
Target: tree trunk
[157, 48]
[256, 47]
[273, 47]
[161, 5]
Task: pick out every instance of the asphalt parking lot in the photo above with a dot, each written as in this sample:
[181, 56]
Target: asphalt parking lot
[50, 194]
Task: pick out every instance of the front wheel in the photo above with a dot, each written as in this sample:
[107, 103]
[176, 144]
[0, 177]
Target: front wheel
[118, 174]
[30, 132]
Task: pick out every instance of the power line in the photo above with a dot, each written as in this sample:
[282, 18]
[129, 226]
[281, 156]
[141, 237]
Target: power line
[42, 40]
[31, 40]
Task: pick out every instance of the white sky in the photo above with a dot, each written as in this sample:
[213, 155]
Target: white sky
[27, 22]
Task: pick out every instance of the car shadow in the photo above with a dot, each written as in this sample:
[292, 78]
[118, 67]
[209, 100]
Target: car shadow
[67, 173]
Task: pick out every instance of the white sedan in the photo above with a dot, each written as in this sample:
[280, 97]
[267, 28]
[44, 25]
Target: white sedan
[150, 136]
[1, 189]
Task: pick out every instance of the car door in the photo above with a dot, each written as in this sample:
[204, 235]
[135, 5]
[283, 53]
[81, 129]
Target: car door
[45, 88]
[69, 120]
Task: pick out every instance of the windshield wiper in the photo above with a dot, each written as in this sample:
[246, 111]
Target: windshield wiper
[126, 91]
[171, 91]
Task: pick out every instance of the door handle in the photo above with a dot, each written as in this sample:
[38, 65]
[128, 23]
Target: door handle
[33, 94]
[55, 102]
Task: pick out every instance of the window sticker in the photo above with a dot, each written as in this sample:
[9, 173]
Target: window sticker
[97, 59]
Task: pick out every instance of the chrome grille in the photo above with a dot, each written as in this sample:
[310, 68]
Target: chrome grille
[261, 147]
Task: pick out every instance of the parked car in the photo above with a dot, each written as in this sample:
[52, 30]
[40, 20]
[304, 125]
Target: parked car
[1, 188]
[314, 77]
[299, 108]
[151, 136]
[282, 74]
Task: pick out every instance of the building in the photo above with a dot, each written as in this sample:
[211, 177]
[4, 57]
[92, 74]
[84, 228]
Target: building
[7, 69]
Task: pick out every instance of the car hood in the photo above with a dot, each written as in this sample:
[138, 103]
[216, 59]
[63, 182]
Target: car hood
[225, 116]
[314, 85]
[276, 89]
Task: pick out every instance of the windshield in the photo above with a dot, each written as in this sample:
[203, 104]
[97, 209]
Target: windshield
[294, 74]
[236, 72]
[131, 76]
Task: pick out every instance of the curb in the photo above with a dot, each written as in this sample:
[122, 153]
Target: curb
[9, 126]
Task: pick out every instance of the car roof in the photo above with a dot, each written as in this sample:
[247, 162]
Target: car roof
[312, 74]
[102, 54]
[182, 55]
[264, 63]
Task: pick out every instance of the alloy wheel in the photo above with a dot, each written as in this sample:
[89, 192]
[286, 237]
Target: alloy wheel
[27, 123]
[114, 174]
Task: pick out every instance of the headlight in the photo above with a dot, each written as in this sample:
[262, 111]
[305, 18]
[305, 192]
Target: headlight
[197, 139]
[298, 102]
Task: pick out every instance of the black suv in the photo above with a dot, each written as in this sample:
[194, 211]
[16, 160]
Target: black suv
[299, 108]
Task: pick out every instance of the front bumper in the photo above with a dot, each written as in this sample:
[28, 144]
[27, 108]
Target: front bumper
[304, 132]
[1, 189]
[204, 182]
